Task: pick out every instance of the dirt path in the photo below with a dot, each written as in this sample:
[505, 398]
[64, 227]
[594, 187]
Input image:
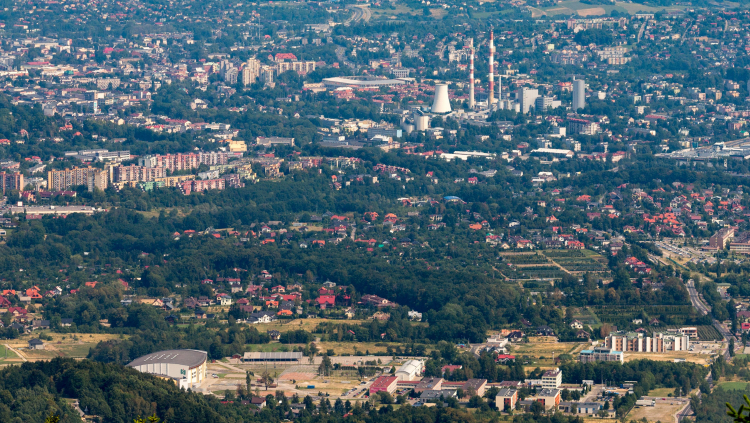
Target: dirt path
[18, 353]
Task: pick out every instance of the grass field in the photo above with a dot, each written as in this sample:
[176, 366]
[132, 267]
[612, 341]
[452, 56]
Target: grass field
[660, 392]
[735, 386]
[6, 354]
[537, 350]
[301, 324]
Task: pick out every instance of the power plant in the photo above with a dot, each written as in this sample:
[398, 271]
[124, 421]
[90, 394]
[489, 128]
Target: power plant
[491, 98]
[471, 76]
[441, 103]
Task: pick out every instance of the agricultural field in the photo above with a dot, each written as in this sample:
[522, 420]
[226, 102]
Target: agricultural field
[575, 7]
[308, 325]
[524, 258]
[533, 272]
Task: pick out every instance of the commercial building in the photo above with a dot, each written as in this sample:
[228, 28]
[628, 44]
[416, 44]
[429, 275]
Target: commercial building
[186, 368]
[270, 141]
[384, 384]
[552, 378]
[601, 354]
[411, 370]
[11, 181]
[60, 180]
[506, 399]
[361, 82]
[553, 152]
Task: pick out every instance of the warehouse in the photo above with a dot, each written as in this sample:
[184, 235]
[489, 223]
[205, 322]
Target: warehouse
[186, 368]
[411, 370]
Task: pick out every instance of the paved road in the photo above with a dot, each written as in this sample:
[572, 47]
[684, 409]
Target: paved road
[361, 13]
[695, 299]
[640, 31]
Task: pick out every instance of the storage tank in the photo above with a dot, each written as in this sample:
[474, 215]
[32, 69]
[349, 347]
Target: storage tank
[442, 103]
[422, 122]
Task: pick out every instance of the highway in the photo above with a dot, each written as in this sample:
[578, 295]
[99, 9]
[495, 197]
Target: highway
[695, 299]
[361, 13]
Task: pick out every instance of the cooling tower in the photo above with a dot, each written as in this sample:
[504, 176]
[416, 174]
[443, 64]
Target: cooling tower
[442, 103]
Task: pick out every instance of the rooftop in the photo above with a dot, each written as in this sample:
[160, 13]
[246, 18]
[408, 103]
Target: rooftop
[190, 358]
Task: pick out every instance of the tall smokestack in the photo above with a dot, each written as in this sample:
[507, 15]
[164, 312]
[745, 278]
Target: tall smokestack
[491, 98]
[471, 75]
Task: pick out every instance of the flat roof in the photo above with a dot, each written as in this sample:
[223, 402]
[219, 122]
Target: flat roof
[361, 82]
[271, 356]
[190, 358]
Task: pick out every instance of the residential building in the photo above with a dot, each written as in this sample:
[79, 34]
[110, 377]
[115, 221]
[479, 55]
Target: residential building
[637, 342]
[11, 181]
[506, 399]
[549, 398]
[60, 180]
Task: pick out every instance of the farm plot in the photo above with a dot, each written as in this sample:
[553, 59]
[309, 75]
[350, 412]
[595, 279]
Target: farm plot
[523, 259]
[581, 264]
[533, 272]
[620, 314]
[553, 254]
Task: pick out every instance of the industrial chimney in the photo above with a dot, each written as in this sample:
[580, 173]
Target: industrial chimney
[442, 103]
[491, 98]
[471, 75]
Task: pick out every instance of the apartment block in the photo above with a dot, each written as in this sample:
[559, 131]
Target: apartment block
[60, 180]
[10, 181]
[202, 185]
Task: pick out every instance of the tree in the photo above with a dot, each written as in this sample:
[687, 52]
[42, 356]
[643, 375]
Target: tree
[536, 408]
[152, 419]
[248, 379]
[739, 415]
[325, 366]
[266, 379]
[52, 418]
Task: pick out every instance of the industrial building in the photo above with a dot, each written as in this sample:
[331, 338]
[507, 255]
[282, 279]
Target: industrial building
[275, 357]
[411, 370]
[579, 94]
[186, 368]
[361, 82]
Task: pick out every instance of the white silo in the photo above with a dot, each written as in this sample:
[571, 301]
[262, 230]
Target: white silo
[441, 104]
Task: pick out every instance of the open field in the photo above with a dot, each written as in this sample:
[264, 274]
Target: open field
[362, 347]
[660, 412]
[735, 386]
[301, 324]
[670, 356]
[537, 350]
[661, 392]
[61, 345]
[571, 7]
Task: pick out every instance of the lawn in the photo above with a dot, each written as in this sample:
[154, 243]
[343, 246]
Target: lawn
[308, 325]
[735, 386]
[6, 354]
[670, 356]
[537, 350]
[661, 392]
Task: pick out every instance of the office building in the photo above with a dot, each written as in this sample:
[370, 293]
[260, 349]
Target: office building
[579, 94]
[601, 354]
[527, 98]
[552, 378]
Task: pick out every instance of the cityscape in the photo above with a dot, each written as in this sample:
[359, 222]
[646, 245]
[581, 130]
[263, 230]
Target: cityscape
[520, 211]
